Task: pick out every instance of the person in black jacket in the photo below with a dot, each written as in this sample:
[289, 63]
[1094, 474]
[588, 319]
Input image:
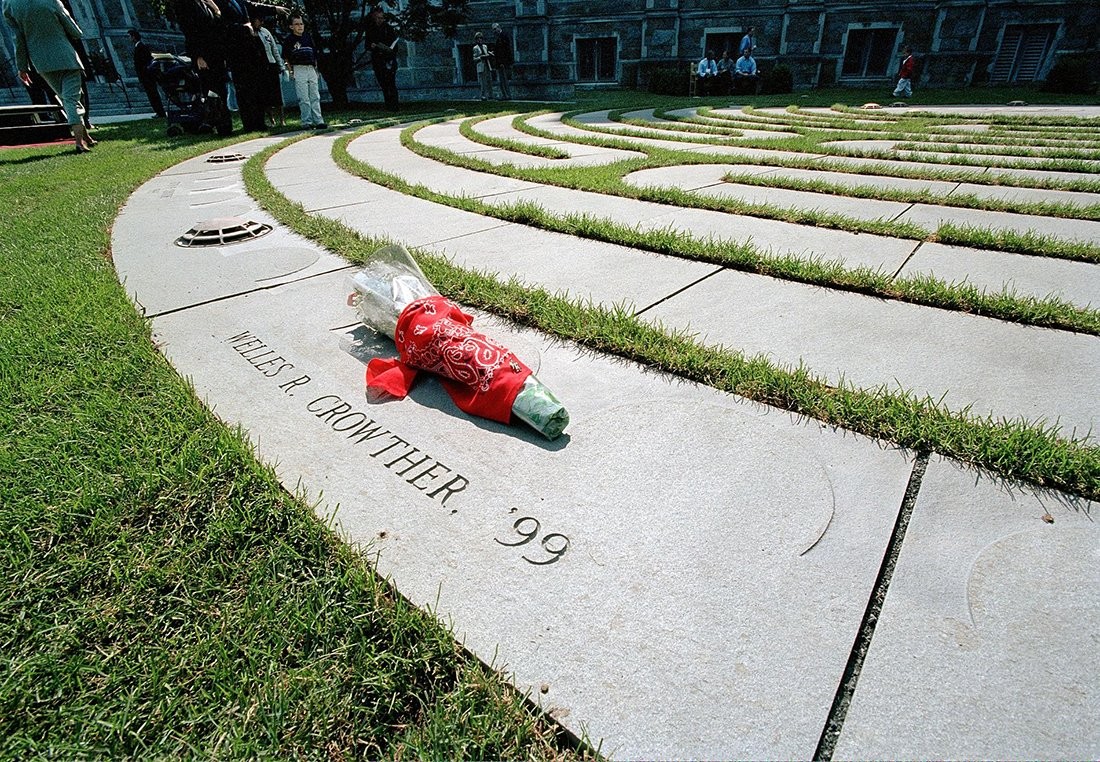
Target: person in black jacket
[142, 60]
[204, 39]
[382, 40]
[502, 61]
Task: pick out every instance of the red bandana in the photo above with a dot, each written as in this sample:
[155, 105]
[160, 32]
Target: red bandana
[433, 334]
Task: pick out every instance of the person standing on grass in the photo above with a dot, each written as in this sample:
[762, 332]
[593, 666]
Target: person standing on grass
[142, 60]
[502, 59]
[483, 57]
[905, 74]
[382, 41]
[301, 62]
[205, 42]
[271, 89]
[44, 36]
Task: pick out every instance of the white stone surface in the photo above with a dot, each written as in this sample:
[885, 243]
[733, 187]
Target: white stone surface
[693, 178]
[931, 217]
[161, 276]
[994, 271]
[1003, 369]
[720, 553]
[501, 127]
[446, 135]
[700, 528]
[385, 152]
[986, 647]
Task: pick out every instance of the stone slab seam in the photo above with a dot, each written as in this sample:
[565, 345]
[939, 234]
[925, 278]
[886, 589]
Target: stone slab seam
[903, 212]
[957, 186]
[266, 287]
[909, 258]
[679, 291]
[845, 690]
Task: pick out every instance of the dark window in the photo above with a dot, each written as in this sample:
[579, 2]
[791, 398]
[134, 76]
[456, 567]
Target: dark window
[718, 42]
[1023, 50]
[467, 63]
[869, 52]
[597, 59]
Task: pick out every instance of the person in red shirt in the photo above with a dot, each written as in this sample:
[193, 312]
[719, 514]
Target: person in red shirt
[905, 75]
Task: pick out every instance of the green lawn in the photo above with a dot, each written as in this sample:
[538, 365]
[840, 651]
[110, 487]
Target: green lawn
[161, 594]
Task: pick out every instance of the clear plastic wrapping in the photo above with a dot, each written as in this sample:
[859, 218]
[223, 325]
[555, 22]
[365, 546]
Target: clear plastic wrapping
[392, 280]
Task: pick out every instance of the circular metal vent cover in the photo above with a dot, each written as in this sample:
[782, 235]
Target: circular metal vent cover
[223, 158]
[221, 231]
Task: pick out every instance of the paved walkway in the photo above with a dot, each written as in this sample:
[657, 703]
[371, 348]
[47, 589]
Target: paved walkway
[684, 574]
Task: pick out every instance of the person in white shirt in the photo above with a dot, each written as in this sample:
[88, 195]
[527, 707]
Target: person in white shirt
[483, 56]
[707, 72]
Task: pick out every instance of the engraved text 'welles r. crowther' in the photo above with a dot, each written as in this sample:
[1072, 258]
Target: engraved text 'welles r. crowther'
[415, 467]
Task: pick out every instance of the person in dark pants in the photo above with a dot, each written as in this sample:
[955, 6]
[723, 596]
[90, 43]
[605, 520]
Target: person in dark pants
[247, 62]
[502, 61]
[382, 40]
[142, 59]
[204, 39]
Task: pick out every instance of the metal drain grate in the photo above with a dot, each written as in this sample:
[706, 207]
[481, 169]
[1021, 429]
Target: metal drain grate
[222, 231]
[224, 158]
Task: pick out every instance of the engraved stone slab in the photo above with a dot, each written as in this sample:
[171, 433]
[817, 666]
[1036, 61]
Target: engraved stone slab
[160, 276]
[986, 646]
[647, 575]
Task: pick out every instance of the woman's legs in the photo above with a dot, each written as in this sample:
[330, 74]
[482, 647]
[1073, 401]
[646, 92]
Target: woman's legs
[66, 83]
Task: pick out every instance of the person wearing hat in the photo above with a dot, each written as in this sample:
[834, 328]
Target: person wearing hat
[382, 41]
[143, 59]
[502, 61]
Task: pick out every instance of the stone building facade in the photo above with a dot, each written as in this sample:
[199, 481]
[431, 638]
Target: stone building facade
[564, 44]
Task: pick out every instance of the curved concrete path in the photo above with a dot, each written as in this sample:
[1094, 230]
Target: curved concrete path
[684, 574]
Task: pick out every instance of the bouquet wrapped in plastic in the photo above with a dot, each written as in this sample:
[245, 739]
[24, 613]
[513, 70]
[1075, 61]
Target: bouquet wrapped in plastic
[432, 333]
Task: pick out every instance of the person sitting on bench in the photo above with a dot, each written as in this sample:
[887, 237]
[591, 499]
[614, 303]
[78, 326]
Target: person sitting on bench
[744, 74]
[707, 74]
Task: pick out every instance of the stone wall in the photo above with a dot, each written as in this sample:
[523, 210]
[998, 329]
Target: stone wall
[957, 42]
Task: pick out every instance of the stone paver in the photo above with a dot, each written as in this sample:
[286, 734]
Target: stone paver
[661, 670]
[986, 645]
[382, 149]
[871, 342]
[710, 560]
[1002, 369]
[974, 159]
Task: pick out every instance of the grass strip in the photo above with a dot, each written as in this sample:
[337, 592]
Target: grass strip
[1014, 449]
[466, 129]
[744, 256]
[161, 595]
[608, 179]
[924, 196]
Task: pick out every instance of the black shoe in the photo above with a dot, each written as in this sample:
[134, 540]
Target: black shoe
[321, 126]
